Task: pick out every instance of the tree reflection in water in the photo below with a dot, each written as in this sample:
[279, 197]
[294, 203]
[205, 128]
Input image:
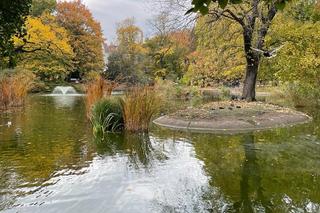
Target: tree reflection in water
[250, 173]
[137, 147]
[273, 171]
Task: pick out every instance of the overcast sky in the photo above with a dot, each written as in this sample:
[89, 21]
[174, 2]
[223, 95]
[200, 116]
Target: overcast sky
[110, 12]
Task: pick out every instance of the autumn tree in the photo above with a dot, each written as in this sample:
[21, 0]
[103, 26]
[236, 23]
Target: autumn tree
[168, 48]
[255, 18]
[86, 36]
[126, 63]
[45, 50]
[298, 64]
[12, 18]
[169, 54]
[218, 56]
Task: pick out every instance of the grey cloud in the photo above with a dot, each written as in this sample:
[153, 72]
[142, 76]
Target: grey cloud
[110, 12]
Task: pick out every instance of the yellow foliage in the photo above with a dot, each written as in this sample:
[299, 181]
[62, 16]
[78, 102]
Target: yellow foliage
[219, 55]
[299, 59]
[46, 49]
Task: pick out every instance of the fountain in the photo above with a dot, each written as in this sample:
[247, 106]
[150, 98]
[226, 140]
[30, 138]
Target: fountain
[64, 96]
[60, 90]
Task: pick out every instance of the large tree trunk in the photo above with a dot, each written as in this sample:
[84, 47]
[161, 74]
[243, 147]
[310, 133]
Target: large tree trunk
[253, 59]
[249, 87]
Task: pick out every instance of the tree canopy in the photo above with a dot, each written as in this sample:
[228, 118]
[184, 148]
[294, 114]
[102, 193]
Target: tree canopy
[86, 36]
[40, 6]
[46, 50]
[127, 61]
[203, 6]
[12, 18]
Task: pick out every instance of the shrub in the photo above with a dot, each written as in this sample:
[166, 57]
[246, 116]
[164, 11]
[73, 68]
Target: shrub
[139, 105]
[107, 116]
[303, 94]
[225, 93]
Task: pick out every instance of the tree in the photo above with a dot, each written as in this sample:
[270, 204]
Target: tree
[46, 50]
[86, 36]
[203, 5]
[168, 49]
[168, 54]
[12, 17]
[305, 10]
[218, 56]
[40, 6]
[127, 62]
[298, 64]
[255, 18]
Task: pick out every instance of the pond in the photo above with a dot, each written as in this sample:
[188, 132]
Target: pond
[49, 162]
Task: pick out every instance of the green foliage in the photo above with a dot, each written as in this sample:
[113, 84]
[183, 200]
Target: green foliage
[126, 67]
[298, 63]
[132, 113]
[168, 54]
[299, 60]
[127, 62]
[225, 93]
[12, 18]
[38, 7]
[107, 117]
[302, 94]
[203, 6]
[218, 56]
[305, 10]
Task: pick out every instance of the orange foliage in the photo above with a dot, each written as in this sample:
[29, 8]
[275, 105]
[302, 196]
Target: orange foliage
[181, 38]
[86, 35]
[14, 89]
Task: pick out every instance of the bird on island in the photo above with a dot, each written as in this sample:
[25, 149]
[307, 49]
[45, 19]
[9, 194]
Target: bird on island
[268, 53]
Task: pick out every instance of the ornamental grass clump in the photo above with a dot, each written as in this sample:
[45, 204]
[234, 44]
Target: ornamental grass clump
[14, 87]
[107, 117]
[96, 90]
[138, 106]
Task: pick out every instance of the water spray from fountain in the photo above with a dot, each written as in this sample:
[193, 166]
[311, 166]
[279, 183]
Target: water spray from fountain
[64, 90]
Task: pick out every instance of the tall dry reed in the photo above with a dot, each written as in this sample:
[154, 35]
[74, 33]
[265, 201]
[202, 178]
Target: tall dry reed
[96, 90]
[14, 88]
[139, 105]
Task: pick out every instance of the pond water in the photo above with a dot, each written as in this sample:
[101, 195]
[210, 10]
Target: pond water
[49, 162]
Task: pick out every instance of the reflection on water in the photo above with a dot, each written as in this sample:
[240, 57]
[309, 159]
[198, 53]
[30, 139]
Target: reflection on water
[273, 171]
[49, 162]
[64, 101]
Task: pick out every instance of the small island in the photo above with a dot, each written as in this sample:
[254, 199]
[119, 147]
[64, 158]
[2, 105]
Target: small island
[229, 117]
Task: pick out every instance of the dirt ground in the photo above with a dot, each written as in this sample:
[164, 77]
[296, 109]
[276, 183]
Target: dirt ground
[232, 117]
